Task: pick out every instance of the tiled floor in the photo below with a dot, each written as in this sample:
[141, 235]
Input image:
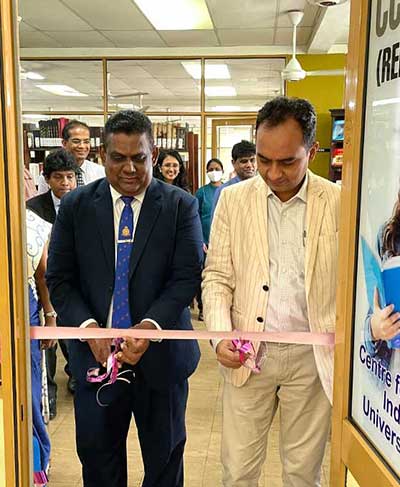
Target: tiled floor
[202, 464]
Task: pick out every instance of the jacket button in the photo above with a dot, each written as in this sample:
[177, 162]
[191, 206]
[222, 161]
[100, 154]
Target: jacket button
[259, 319]
[265, 287]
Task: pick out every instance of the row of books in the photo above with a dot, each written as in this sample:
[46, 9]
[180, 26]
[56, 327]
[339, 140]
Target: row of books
[171, 135]
[49, 134]
[168, 135]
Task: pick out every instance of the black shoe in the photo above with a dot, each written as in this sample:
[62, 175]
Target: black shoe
[52, 409]
[200, 318]
[71, 385]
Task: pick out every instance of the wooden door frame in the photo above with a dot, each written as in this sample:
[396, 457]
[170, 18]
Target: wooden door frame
[222, 122]
[350, 449]
[14, 331]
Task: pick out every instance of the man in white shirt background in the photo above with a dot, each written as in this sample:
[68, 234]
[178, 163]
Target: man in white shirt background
[76, 140]
[271, 266]
[60, 169]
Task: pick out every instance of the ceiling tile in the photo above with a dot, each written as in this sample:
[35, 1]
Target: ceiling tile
[245, 37]
[284, 36]
[228, 14]
[24, 27]
[51, 15]
[80, 39]
[166, 69]
[189, 38]
[115, 15]
[134, 38]
[36, 39]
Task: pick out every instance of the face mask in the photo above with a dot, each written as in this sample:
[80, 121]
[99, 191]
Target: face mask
[215, 176]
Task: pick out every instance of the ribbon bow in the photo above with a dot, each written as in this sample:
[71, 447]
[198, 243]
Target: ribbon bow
[112, 371]
[247, 355]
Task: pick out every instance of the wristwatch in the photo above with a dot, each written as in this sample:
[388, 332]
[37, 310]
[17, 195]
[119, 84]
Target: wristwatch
[51, 314]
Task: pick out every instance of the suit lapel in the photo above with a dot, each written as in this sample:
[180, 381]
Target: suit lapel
[151, 207]
[105, 222]
[315, 211]
[48, 207]
[259, 216]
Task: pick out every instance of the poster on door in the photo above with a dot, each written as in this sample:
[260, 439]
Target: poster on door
[375, 405]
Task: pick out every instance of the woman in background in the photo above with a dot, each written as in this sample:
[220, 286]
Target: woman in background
[170, 168]
[38, 232]
[205, 197]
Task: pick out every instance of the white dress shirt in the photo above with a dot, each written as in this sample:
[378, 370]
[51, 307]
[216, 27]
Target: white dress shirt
[118, 206]
[56, 202]
[90, 172]
[287, 304]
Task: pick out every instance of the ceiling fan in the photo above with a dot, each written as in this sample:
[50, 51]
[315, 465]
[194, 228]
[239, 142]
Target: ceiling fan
[140, 94]
[293, 70]
[139, 106]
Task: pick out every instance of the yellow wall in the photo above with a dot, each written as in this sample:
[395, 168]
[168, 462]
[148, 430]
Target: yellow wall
[2, 463]
[324, 92]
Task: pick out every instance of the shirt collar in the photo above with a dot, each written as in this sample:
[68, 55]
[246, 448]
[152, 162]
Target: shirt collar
[115, 195]
[83, 165]
[301, 194]
[56, 201]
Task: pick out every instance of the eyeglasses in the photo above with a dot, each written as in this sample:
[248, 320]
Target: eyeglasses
[170, 165]
[79, 141]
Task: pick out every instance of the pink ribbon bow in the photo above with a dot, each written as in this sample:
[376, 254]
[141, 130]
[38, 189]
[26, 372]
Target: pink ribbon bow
[111, 372]
[247, 355]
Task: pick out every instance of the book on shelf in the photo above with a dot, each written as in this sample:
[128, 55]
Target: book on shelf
[170, 135]
[337, 157]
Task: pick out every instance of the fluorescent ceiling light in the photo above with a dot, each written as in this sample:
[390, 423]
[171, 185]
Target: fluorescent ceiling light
[33, 75]
[176, 14]
[124, 105]
[226, 108]
[33, 116]
[61, 90]
[220, 91]
[212, 71]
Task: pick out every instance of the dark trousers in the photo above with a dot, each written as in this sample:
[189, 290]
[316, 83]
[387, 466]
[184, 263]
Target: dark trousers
[101, 432]
[51, 366]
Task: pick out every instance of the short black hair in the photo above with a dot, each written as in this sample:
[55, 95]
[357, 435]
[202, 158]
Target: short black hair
[244, 148]
[282, 108]
[128, 122]
[70, 125]
[214, 159]
[60, 160]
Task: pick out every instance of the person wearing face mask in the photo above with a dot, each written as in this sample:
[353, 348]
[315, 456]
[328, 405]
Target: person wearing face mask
[170, 168]
[205, 197]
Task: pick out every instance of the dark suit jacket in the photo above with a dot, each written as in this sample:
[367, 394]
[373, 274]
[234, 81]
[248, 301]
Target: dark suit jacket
[165, 272]
[43, 206]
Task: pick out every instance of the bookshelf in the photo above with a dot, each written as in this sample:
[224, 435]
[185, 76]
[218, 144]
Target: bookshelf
[337, 136]
[41, 138]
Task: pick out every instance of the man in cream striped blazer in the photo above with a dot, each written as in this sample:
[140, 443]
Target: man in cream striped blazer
[272, 266]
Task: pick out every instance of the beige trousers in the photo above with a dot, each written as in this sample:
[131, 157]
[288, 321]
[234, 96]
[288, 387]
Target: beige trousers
[288, 380]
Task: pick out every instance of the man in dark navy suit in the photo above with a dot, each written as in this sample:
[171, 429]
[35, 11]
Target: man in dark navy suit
[127, 251]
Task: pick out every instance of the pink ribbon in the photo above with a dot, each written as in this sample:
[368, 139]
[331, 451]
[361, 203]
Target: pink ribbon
[92, 374]
[302, 338]
[247, 355]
